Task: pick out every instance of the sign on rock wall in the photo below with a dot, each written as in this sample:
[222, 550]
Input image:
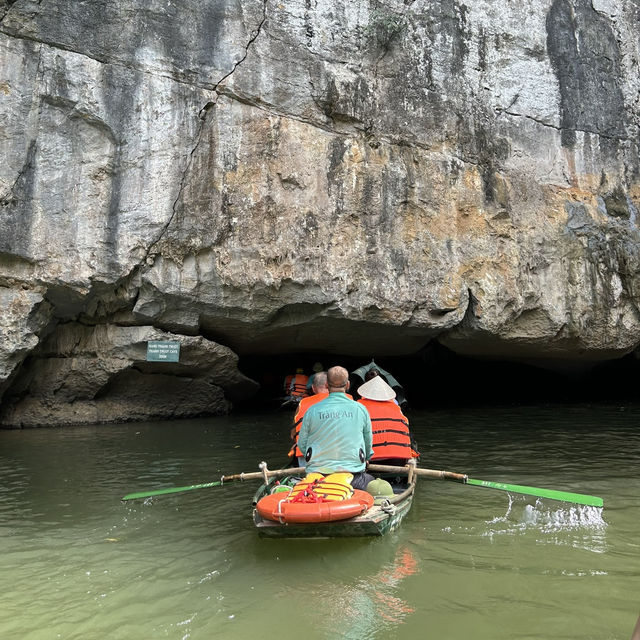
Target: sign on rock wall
[163, 351]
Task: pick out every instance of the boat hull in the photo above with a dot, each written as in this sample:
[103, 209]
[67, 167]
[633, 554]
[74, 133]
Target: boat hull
[376, 521]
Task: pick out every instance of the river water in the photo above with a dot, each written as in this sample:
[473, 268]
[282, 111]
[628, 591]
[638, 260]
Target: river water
[468, 562]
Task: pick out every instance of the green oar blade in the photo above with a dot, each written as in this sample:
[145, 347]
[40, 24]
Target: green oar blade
[162, 492]
[564, 496]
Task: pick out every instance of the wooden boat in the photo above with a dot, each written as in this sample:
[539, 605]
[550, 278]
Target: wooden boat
[379, 519]
[288, 403]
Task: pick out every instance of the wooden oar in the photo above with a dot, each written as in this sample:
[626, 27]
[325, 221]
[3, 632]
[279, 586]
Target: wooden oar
[563, 496]
[265, 474]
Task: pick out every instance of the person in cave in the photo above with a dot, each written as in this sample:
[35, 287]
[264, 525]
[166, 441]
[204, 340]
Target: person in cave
[295, 386]
[320, 391]
[366, 372]
[372, 373]
[336, 433]
[317, 368]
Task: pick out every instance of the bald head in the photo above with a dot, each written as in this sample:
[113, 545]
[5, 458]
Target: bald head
[319, 384]
[338, 379]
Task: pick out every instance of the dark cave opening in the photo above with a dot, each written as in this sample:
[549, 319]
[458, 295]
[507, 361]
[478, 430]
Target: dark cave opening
[436, 377]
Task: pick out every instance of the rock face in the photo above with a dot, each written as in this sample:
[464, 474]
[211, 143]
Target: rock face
[96, 374]
[358, 178]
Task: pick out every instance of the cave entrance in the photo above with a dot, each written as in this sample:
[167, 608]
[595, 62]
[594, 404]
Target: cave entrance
[435, 377]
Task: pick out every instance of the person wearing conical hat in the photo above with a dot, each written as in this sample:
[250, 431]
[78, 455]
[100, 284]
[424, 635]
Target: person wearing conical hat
[392, 441]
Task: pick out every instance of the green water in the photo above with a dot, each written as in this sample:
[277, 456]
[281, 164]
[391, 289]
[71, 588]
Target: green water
[468, 562]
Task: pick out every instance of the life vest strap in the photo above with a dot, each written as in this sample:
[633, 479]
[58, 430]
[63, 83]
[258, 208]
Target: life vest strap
[404, 433]
[387, 443]
[404, 422]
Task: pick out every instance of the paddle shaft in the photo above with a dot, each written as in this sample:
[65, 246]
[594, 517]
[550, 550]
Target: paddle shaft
[428, 473]
[254, 475]
[552, 494]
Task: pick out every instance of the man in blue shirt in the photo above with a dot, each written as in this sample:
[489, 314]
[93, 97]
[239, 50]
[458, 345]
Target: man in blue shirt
[336, 433]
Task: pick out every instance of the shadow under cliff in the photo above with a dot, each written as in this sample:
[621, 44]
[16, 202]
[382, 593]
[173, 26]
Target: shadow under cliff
[437, 377]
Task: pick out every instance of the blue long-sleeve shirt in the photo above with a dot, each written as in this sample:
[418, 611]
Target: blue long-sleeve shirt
[336, 429]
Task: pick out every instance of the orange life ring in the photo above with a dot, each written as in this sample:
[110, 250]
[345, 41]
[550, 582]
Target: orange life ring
[275, 507]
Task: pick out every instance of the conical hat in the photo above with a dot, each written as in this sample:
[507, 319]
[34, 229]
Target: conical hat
[376, 389]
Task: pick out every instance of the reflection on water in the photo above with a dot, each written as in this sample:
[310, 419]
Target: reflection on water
[466, 563]
[372, 605]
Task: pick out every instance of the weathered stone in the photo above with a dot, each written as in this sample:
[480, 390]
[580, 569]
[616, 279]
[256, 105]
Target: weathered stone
[100, 374]
[352, 177]
[23, 315]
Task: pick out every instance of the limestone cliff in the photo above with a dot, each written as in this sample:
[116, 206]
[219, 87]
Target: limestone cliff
[351, 177]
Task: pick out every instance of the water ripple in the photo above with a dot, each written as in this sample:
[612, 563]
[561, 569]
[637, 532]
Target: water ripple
[467, 562]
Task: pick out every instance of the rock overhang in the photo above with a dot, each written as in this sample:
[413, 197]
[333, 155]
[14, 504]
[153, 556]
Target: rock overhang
[389, 176]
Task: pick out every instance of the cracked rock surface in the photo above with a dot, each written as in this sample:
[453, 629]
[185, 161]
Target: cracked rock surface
[263, 176]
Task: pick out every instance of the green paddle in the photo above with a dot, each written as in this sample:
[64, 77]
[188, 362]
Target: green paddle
[563, 496]
[162, 492]
[265, 474]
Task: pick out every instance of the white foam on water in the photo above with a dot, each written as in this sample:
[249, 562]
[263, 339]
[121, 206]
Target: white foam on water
[563, 524]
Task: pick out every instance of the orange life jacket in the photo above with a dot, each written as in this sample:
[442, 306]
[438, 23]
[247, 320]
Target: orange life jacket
[390, 429]
[304, 404]
[298, 386]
